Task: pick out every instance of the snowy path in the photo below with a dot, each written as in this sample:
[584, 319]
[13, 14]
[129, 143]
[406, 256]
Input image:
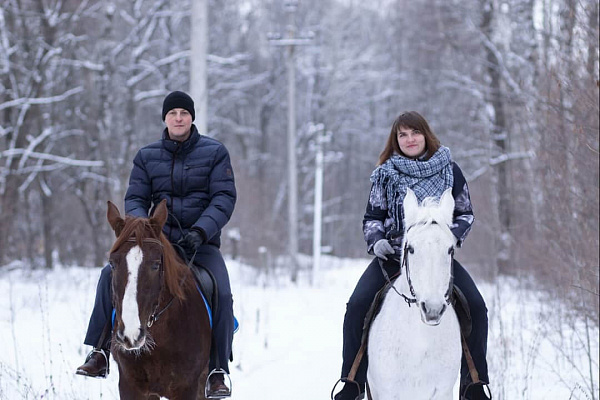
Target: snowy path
[289, 344]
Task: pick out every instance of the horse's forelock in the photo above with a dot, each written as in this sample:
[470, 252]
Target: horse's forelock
[174, 270]
[425, 216]
[428, 212]
[134, 227]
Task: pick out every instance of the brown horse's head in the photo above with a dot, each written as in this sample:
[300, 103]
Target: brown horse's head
[146, 275]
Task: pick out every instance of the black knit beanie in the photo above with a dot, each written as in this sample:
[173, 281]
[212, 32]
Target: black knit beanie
[178, 99]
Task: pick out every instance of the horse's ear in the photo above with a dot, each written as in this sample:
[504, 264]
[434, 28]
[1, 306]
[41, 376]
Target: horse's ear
[447, 206]
[159, 217]
[114, 218]
[410, 204]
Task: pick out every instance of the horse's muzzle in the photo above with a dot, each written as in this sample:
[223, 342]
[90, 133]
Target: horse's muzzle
[431, 314]
[129, 344]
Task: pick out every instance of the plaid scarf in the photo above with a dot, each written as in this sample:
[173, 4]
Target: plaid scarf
[427, 178]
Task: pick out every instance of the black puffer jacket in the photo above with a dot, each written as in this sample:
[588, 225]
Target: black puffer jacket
[194, 176]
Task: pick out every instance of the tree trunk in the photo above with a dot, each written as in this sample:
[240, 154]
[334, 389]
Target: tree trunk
[499, 137]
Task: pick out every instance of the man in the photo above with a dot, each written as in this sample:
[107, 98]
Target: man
[193, 173]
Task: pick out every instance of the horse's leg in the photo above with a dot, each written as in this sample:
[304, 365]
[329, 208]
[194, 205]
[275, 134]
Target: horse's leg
[202, 383]
[129, 391]
[189, 393]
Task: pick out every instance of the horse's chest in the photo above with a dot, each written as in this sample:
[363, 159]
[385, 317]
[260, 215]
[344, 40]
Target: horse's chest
[398, 336]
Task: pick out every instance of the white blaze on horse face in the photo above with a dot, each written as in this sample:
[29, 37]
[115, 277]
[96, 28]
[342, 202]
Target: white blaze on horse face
[130, 312]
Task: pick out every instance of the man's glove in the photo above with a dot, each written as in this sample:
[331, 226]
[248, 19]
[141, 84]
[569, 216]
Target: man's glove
[382, 249]
[194, 239]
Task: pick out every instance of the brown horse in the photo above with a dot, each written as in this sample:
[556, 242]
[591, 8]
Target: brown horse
[161, 337]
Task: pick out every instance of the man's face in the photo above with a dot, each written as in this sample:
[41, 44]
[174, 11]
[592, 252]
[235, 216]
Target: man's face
[179, 124]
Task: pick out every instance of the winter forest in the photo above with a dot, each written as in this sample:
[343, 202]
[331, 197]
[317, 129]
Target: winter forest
[511, 87]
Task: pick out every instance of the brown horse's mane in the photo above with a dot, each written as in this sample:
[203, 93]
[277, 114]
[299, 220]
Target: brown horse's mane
[178, 278]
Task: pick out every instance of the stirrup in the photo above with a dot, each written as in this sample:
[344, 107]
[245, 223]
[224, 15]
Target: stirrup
[361, 395]
[215, 372]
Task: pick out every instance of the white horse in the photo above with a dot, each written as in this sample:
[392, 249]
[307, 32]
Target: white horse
[413, 352]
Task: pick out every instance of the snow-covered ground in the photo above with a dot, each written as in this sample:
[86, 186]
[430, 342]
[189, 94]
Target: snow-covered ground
[289, 344]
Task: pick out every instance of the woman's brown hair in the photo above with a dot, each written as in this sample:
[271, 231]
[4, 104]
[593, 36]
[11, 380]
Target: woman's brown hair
[410, 120]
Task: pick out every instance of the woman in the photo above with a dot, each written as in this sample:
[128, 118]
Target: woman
[412, 158]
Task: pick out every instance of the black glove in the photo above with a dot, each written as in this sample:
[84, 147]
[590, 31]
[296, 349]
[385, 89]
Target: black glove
[194, 239]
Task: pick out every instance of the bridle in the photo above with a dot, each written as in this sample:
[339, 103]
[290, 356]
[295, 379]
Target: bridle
[404, 264]
[156, 313]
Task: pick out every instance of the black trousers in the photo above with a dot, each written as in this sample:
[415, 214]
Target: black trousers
[367, 287]
[209, 257]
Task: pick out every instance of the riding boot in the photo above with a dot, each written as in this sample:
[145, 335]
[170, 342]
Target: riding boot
[477, 340]
[357, 307]
[476, 392]
[349, 392]
[96, 364]
[216, 387]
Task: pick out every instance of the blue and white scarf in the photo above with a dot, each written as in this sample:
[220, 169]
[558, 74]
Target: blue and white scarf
[427, 178]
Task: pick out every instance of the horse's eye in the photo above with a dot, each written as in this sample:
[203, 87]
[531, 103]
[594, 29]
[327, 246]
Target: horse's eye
[155, 265]
[410, 249]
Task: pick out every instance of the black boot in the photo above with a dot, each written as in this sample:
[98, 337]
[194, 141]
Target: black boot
[96, 364]
[350, 392]
[477, 391]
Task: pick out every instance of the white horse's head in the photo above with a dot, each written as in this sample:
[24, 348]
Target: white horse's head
[429, 248]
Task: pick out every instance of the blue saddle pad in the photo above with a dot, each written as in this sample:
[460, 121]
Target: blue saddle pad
[236, 324]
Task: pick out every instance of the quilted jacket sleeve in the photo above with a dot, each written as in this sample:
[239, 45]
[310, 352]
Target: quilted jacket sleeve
[138, 197]
[463, 210]
[374, 219]
[222, 194]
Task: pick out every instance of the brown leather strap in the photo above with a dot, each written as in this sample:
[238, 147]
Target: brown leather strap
[469, 359]
[357, 360]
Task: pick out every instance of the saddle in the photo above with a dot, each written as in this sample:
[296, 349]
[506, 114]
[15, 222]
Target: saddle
[205, 281]
[207, 286]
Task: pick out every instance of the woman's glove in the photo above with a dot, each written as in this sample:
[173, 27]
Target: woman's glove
[382, 248]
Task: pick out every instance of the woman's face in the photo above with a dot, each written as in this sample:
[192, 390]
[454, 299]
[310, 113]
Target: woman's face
[411, 142]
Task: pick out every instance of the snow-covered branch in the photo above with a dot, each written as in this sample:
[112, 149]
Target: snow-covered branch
[51, 157]
[41, 100]
[498, 160]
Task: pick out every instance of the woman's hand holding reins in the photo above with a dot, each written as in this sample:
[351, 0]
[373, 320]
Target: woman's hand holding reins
[382, 249]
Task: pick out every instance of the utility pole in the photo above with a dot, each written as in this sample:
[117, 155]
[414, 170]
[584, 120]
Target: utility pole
[319, 132]
[198, 64]
[290, 42]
